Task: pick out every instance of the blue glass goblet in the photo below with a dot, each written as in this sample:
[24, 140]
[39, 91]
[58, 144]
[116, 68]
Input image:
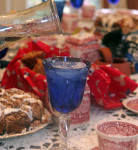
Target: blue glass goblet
[76, 3]
[113, 4]
[66, 79]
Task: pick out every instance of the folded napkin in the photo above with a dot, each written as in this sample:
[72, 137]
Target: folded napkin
[18, 75]
[107, 84]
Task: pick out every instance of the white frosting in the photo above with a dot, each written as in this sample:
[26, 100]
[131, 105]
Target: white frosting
[40, 103]
[10, 110]
[14, 90]
[3, 99]
[29, 112]
[13, 99]
[31, 100]
[43, 118]
[2, 91]
[1, 106]
[104, 21]
[109, 20]
[20, 96]
[0, 112]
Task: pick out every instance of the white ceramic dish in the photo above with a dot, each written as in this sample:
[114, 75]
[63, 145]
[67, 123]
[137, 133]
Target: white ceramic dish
[131, 104]
[6, 136]
[123, 11]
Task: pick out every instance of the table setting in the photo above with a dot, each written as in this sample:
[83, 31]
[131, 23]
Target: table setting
[49, 136]
[83, 129]
[69, 90]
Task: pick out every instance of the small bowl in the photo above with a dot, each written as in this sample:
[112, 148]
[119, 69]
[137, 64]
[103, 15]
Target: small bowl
[117, 135]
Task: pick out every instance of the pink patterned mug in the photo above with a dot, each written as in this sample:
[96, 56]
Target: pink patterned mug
[117, 135]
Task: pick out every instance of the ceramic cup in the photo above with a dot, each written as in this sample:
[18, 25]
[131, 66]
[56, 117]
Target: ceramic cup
[88, 11]
[117, 135]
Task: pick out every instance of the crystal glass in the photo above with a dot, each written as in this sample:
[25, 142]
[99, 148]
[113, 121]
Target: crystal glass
[66, 78]
[60, 7]
[39, 20]
[76, 3]
[113, 3]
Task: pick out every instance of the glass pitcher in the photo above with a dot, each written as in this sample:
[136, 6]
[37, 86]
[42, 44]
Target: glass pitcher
[39, 20]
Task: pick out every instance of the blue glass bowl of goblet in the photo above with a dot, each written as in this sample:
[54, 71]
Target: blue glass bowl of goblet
[76, 3]
[115, 2]
[65, 86]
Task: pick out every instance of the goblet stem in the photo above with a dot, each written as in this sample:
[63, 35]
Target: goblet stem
[64, 124]
[112, 6]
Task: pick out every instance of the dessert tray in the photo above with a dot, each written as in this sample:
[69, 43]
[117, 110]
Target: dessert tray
[108, 20]
[121, 10]
[131, 104]
[7, 136]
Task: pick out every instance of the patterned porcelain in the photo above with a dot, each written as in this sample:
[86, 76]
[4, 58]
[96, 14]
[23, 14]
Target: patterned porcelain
[117, 135]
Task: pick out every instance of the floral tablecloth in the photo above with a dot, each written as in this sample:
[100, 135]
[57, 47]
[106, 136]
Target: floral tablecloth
[82, 136]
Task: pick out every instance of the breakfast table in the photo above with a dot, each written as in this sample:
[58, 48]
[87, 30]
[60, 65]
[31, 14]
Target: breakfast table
[82, 136]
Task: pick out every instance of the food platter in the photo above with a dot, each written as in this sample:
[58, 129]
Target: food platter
[6, 136]
[121, 10]
[108, 20]
[31, 129]
[131, 104]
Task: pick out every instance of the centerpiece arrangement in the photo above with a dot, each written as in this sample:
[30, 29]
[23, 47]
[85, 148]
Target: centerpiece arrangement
[119, 52]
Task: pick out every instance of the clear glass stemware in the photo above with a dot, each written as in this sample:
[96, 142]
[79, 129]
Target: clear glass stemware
[113, 4]
[39, 20]
[76, 5]
[66, 78]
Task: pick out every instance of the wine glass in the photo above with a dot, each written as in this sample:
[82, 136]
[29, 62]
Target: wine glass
[113, 3]
[66, 78]
[76, 3]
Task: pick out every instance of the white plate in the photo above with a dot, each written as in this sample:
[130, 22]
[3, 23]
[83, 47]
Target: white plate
[123, 11]
[6, 136]
[134, 100]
